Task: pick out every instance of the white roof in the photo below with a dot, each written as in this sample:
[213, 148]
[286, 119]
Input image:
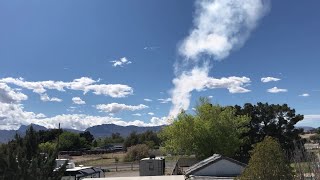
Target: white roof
[78, 168]
[156, 158]
[180, 177]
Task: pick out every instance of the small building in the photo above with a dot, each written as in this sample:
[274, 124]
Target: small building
[215, 167]
[142, 178]
[153, 166]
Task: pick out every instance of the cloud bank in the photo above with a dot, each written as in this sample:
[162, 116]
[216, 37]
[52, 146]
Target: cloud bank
[84, 84]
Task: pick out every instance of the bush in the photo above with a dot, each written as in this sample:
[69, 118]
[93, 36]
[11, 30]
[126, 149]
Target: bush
[267, 162]
[137, 152]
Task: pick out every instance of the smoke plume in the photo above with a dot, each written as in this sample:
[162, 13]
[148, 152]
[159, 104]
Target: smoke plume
[220, 26]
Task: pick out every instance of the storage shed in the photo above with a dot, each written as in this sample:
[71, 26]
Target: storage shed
[153, 166]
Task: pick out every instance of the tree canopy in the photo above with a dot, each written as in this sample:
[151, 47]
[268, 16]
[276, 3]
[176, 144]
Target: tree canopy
[69, 141]
[21, 158]
[270, 120]
[213, 129]
[268, 162]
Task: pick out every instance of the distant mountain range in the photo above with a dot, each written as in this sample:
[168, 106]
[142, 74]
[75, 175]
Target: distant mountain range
[306, 128]
[108, 129]
[97, 131]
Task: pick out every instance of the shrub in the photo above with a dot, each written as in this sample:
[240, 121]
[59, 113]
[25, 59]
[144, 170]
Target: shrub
[137, 152]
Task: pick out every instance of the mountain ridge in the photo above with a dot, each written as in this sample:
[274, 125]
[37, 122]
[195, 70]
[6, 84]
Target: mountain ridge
[97, 131]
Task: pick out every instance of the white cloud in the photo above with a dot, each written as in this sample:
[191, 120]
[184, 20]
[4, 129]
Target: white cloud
[84, 84]
[210, 97]
[121, 62]
[113, 90]
[13, 115]
[78, 100]
[44, 97]
[156, 121]
[276, 90]
[198, 80]
[151, 113]
[269, 79]
[304, 95]
[220, 26]
[137, 114]
[115, 107]
[148, 100]
[8, 95]
[164, 101]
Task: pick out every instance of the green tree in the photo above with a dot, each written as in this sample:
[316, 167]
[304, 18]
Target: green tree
[131, 140]
[47, 147]
[270, 120]
[267, 162]
[88, 137]
[69, 141]
[21, 159]
[213, 129]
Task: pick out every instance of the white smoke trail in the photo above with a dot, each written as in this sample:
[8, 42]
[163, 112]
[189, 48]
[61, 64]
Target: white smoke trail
[220, 26]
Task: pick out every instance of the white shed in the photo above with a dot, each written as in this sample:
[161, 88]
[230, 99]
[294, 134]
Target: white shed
[142, 178]
[216, 166]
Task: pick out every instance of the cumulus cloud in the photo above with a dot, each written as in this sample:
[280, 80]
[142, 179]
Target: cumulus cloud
[198, 80]
[8, 95]
[115, 107]
[12, 116]
[44, 97]
[220, 26]
[276, 90]
[78, 100]
[151, 113]
[269, 79]
[304, 95]
[148, 100]
[164, 101]
[120, 62]
[210, 97]
[84, 84]
[137, 114]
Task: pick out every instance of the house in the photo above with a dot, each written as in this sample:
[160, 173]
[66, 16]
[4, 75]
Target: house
[142, 178]
[215, 167]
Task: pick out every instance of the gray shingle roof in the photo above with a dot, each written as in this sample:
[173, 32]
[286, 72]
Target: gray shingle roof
[210, 160]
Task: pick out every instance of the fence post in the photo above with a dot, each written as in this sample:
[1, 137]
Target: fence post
[116, 167]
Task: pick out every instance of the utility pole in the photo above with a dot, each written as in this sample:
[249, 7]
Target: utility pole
[58, 145]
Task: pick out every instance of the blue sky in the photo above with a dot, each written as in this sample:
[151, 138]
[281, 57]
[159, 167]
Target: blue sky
[71, 43]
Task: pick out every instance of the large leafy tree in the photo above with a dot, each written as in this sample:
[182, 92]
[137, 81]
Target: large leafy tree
[270, 120]
[21, 159]
[69, 141]
[268, 162]
[213, 129]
